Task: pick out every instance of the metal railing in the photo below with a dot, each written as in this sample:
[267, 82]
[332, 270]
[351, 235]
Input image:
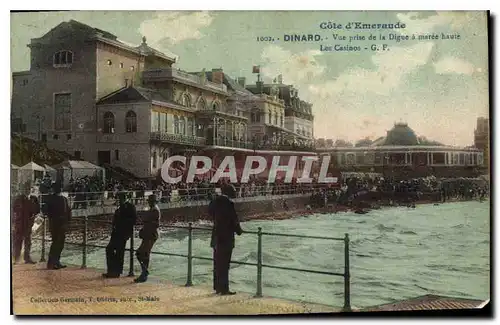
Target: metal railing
[189, 255]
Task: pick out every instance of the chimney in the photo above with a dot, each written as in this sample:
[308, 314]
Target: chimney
[260, 87]
[242, 81]
[217, 76]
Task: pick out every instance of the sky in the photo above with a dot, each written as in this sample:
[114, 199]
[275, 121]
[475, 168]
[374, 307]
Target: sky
[438, 86]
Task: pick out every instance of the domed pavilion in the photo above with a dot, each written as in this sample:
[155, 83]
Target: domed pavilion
[402, 150]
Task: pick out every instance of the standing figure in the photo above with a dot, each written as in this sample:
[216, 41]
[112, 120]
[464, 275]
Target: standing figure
[25, 209]
[123, 228]
[59, 215]
[149, 235]
[225, 225]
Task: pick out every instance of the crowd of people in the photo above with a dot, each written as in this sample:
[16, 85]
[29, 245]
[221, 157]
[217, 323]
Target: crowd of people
[405, 191]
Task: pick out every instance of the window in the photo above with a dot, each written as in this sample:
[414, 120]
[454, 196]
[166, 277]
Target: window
[63, 58]
[121, 65]
[132, 68]
[281, 118]
[155, 122]
[202, 104]
[270, 117]
[44, 137]
[186, 100]
[78, 155]
[276, 119]
[55, 136]
[68, 136]
[131, 122]
[109, 62]
[25, 82]
[190, 126]
[165, 123]
[117, 155]
[215, 106]
[154, 159]
[62, 112]
[252, 117]
[176, 124]
[109, 123]
[182, 125]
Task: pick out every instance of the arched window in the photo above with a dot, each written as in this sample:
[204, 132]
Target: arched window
[190, 126]
[176, 124]
[276, 119]
[63, 58]
[109, 123]
[131, 122]
[215, 106]
[186, 100]
[281, 120]
[270, 117]
[182, 125]
[202, 104]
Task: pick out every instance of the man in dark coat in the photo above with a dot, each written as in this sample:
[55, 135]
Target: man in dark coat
[225, 225]
[25, 208]
[59, 215]
[122, 229]
[149, 235]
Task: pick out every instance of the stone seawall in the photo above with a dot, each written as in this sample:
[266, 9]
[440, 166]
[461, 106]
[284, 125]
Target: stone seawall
[247, 209]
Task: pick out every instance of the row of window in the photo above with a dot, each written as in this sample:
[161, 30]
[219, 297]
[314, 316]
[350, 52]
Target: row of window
[65, 58]
[182, 125]
[109, 122]
[109, 62]
[201, 105]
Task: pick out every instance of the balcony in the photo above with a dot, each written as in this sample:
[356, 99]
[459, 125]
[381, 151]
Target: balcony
[178, 138]
[261, 146]
[170, 73]
[271, 98]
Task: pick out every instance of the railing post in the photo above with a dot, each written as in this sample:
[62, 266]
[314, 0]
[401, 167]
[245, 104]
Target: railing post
[131, 250]
[84, 246]
[189, 281]
[347, 276]
[259, 263]
[44, 238]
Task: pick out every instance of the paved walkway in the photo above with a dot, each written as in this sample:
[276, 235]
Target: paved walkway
[75, 291]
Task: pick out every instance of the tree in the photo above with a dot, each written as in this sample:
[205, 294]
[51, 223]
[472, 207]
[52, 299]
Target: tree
[321, 143]
[329, 143]
[343, 144]
[364, 142]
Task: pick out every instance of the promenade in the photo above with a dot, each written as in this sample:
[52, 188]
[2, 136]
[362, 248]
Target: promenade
[76, 291]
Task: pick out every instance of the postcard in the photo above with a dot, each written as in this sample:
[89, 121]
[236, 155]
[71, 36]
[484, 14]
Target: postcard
[249, 162]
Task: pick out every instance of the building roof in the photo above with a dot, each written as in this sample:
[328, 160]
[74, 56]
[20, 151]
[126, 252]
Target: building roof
[429, 302]
[128, 94]
[401, 135]
[229, 82]
[111, 39]
[76, 164]
[133, 94]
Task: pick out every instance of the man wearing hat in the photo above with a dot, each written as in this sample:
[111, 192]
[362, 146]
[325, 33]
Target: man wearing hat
[149, 235]
[122, 229]
[225, 225]
[25, 207]
[59, 216]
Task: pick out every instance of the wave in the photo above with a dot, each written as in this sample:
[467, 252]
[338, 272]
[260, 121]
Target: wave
[407, 232]
[381, 227]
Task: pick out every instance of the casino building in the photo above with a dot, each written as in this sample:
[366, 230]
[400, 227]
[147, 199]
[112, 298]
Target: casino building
[402, 154]
[114, 104]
